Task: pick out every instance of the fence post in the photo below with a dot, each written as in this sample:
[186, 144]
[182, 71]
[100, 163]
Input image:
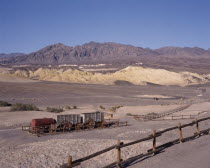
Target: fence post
[154, 141]
[118, 154]
[69, 161]
[197, 126]
[180, 133]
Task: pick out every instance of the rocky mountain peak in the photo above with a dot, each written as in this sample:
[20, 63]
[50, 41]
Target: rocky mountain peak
[108, 52]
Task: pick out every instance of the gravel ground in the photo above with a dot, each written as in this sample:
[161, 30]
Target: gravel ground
[20, 149]
[53, 153]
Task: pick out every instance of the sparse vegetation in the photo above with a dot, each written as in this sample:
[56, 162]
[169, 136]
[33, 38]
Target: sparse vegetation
[74, 107]
[54, 109]
[114, 108]
[154, 114]
[68, 107]
[102, 107]
[24, 107]
[4, 104]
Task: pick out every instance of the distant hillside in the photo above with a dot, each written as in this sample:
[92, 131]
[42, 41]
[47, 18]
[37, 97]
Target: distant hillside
[114, 53]
[183, 52]
[90, 52]
[11, 55]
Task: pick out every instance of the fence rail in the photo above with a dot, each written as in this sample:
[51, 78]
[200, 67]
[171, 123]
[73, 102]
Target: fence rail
[162, 115]
[155, 149]
[176, 117]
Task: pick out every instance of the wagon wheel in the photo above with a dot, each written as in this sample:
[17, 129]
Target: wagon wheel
[36, 130]
[70, 125]
[78, 126]
[66, 125]
[103, 124]
[53, 128]
[46, 129]
[91, 124]
[63, 125]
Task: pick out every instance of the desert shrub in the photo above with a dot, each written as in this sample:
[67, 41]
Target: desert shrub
[4, 104]
[68, 107]
[54, 109]
[102, 107]
[24, 107]
[114, 108]
[74, 107]
[154, 114]
[129, 114]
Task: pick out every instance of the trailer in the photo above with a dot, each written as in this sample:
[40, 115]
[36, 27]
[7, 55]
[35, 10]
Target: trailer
[38, 126]
[93, 119]
[70, 122]
[70, 118]
[80, 121]
[95, 116]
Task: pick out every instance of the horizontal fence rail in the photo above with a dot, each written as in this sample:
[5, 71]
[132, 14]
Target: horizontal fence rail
[155, 149]
[162, 115]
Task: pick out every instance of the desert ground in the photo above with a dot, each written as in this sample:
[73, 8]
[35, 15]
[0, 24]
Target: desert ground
[20, 149]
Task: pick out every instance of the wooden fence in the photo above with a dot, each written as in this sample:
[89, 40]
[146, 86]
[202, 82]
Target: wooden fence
[155, 149]
[161, 115]
[177, 117]
[171, 117]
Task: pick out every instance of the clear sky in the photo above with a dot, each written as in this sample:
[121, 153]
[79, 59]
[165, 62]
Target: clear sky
[28, 25]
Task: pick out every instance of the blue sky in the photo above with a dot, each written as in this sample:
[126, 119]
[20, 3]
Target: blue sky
[28, 25]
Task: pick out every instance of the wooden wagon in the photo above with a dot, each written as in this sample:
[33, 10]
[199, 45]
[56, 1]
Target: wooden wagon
[80, 121]
[69, 122]
[92, 120]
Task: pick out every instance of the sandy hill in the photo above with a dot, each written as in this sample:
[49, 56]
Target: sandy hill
[133, 75]
[7, 76]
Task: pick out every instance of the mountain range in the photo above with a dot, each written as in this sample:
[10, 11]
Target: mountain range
[109, 52]
[11, 55]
